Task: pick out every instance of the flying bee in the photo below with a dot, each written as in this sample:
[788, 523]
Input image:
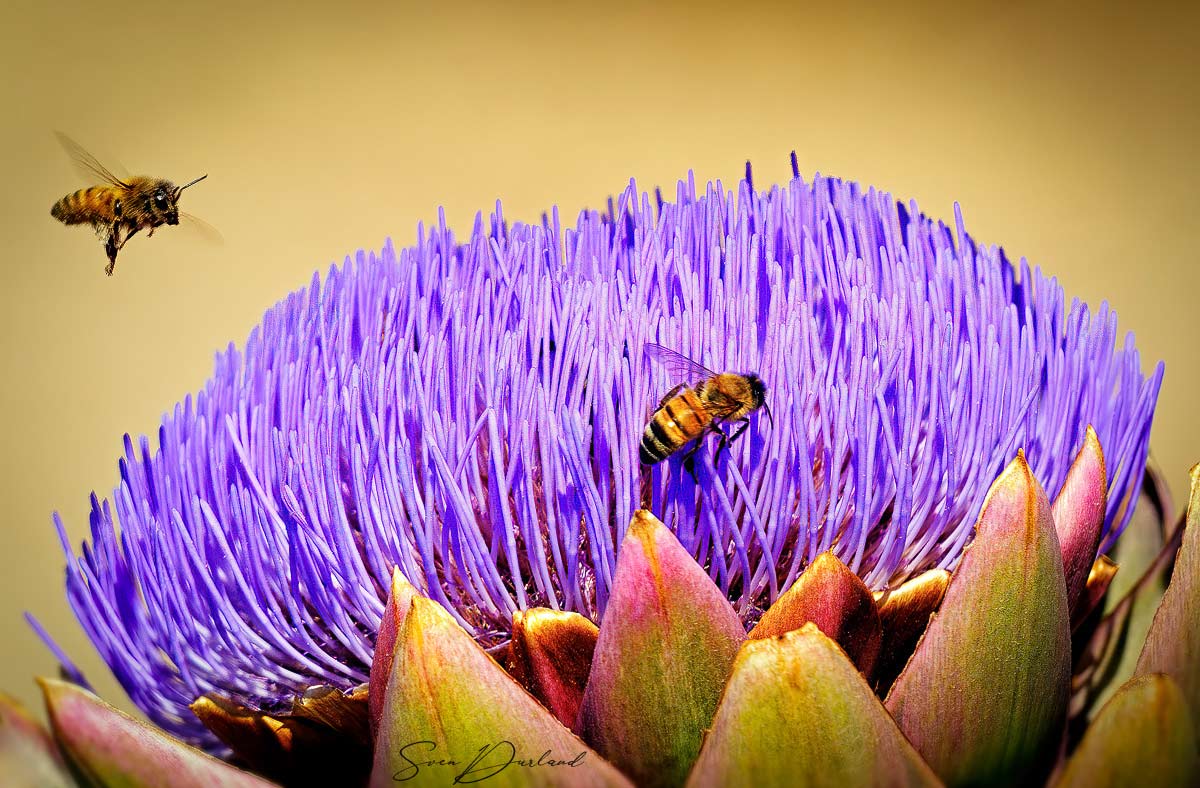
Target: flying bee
[697, 407]
[119, 208]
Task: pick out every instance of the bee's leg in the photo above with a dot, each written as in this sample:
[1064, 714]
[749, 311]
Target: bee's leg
[721, 444]
[111, 248]
[689, 460]
[671, 393]
[743, 424]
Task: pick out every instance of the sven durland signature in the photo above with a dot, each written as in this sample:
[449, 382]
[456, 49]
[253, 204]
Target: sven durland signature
[488, 761]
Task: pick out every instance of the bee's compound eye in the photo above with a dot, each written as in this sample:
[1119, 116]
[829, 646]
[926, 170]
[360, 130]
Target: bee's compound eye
[160, 199]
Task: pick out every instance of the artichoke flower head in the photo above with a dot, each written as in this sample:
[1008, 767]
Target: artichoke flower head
[404, 534]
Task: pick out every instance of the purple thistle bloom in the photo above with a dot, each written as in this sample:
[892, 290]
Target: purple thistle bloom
[471, 412]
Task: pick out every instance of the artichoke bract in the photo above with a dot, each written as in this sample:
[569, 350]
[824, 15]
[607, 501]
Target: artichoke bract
[404, 534]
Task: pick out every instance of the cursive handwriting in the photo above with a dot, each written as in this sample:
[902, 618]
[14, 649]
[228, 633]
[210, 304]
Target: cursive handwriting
[488, 761]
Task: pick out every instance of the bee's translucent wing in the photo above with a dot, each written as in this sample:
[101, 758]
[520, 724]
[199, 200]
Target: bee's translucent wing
[88, 165]
[201, 228]
[678, 366]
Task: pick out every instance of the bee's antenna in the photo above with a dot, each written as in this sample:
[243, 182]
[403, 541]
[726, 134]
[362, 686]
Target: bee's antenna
[193, 183]
[770, 418]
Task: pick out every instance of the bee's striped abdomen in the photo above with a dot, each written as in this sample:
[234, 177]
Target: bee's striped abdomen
[681, 419]
[86, 206]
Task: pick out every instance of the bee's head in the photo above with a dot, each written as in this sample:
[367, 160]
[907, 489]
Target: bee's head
[164, 202]
[758, 390]
[758, 395]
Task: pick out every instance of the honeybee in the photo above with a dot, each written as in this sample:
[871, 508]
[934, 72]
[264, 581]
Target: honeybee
[697, 407]
[118, 209]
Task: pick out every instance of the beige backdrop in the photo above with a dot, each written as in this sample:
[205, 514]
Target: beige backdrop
[1069, 138]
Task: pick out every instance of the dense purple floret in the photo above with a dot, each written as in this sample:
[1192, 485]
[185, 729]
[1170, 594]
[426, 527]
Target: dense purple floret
[472, 411]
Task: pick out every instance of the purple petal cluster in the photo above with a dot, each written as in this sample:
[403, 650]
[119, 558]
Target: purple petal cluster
[471, 411]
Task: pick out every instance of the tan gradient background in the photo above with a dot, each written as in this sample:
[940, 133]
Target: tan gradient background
[1068, 137]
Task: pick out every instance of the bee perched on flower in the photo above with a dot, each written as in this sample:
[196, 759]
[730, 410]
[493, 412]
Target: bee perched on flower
[404, 534]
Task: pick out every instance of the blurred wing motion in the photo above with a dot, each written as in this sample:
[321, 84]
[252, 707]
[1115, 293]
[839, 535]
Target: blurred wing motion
[87, 164]
[678, 366]
[200, 228]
